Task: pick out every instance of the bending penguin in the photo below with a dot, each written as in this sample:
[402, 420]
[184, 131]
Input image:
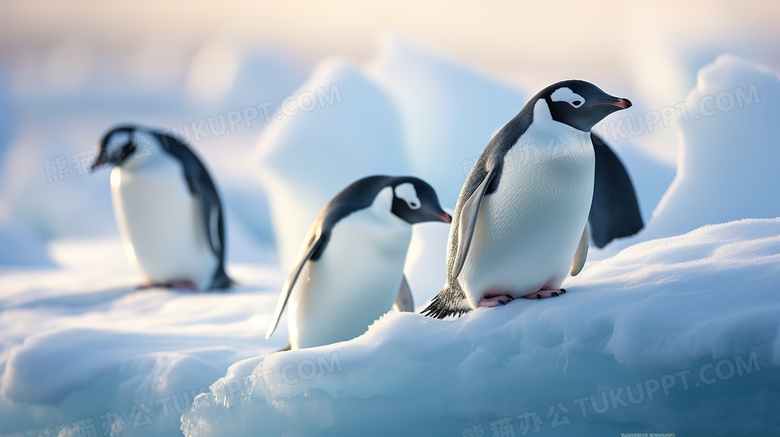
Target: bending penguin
[521, 221]
[167, 209]
[350, 267]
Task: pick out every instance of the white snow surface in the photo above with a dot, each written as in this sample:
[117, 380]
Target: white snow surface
[692, 300]
[681, 304]
[80, 343]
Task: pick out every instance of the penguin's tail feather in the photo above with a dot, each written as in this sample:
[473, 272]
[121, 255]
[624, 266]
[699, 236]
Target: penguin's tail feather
[222, 281]
[449, 302]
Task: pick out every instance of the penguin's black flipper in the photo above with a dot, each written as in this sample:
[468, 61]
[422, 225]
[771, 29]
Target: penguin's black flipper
[614, 212]
[468, 222]
[201, 185]
[212, 214]
[315, 244]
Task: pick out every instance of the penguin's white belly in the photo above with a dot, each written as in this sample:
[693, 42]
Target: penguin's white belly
[528, 230]
[161, 224]
[353, 283]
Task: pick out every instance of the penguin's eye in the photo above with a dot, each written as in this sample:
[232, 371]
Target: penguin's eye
[565, 94]
[408, 194]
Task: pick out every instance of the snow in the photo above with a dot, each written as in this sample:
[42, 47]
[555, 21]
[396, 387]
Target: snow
[79, 342]
[449, 111]
[656, 309]
[691, 300]
[28, 249]
[729, 150]
[355, 132]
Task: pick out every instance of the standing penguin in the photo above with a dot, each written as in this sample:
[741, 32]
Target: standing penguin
[350, 268]
[167, 209]
[521, 221]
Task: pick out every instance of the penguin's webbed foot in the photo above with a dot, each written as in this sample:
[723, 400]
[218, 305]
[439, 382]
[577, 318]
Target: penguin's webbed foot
[494, 301]
[542, 294]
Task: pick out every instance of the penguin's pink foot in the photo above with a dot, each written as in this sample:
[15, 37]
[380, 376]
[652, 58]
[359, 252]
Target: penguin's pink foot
[541, 294]
[495, 301]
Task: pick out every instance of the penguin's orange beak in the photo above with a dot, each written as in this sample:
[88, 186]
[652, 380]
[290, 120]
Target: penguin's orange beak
[623, 103]
[446, 218]
[620, 103]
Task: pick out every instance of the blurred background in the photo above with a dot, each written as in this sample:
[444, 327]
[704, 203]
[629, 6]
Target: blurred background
[71, 70]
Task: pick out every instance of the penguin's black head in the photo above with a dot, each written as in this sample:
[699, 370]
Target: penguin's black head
[116, 146]
[580, 104]
[415, 201]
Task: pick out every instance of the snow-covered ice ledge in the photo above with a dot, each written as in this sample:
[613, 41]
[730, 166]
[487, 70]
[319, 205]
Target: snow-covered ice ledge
[678, 334]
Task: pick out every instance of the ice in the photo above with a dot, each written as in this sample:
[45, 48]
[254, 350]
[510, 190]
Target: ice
[306, 156]
[449, 111]
[729, 150]
[263, 77]
[20, 247]
[79, 342]
[656, 312]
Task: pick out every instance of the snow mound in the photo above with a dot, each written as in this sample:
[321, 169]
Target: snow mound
[448, 110]
[729, 150]
[310, 153]
[19, 247]
[81, 345]
[671, 334]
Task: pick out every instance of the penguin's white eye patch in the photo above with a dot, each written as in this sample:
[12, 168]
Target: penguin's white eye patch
[408, 194]
[565, 94]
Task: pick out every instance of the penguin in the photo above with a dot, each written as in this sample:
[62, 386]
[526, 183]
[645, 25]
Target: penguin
[349, 270]
[167, 209]
[521, 224]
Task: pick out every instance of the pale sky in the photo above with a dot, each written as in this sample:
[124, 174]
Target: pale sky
[513, 40]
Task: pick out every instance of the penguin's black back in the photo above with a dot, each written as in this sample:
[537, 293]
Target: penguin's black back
[201, 185]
